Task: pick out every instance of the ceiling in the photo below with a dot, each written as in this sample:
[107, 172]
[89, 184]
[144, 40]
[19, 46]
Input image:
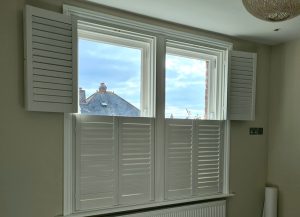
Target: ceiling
[228, 17]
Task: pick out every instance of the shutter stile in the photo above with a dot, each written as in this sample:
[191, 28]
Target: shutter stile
[179, 142]
[209, 148]
[50, 61]
[136, 148]
[97, 157]
[242, 86]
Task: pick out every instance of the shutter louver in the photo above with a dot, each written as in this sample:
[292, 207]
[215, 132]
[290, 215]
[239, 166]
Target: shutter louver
[136, 144]
[242, 85]
[179, 140]
[97, 158]
[50, 61]
[208, 162]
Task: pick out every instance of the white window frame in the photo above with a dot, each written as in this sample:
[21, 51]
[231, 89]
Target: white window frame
[162, 35]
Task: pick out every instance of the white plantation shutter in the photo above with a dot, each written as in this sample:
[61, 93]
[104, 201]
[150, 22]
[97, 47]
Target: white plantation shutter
[97, 162]
[114, 157]
[194, 157]
[50, 61]
[208, 162]
[136, 148]
[242, 85]
[179, 140]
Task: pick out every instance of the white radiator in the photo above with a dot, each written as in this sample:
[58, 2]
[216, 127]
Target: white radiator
[209, 209]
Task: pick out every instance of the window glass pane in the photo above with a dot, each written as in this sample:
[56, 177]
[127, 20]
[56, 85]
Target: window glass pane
[186, 87]
[109, 79]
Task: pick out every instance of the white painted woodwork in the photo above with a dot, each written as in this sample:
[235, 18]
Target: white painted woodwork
[194, 158]
[136, 160]
[96, 160]
[242, 85]
[50, 61]
[114, 160]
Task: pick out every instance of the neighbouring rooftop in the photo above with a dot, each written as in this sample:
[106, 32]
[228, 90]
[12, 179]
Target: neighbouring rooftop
[107, 103]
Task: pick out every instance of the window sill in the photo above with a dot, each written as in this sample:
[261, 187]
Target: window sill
[146, 206]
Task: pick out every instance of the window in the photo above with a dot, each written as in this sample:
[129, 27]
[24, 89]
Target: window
[115, 72]
[167, 145]
[194, 126]
[191, 76]
[185, 75]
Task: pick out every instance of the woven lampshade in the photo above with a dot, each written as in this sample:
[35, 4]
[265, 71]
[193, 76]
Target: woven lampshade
[273, 10]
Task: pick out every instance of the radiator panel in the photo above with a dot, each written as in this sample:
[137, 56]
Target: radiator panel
[209, 209]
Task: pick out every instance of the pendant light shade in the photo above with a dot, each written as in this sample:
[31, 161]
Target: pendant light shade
[273, 10]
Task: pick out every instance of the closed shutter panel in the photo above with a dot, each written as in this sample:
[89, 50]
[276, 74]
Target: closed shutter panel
[50, 61]
[208, 162]
[179, 142]
[136, 148]
[96, 153]
[242, 85]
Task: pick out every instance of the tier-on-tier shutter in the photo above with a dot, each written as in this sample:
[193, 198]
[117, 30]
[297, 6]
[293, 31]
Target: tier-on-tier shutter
[208, 163]
[97, 162]
[136, 160]
[179, 144]
[50, 61]
[242, 84]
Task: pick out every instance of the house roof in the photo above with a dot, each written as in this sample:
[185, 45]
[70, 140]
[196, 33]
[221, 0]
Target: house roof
[108, 103]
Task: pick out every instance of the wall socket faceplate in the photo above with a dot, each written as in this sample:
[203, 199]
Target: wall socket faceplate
[256, 131]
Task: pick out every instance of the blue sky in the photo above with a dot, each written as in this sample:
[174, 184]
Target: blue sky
[120, 68]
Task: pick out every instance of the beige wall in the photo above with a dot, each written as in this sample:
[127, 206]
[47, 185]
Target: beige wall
[31, 143]
[284, 127]
[249, 153]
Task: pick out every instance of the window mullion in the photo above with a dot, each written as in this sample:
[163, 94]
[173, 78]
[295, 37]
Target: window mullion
[160, 119]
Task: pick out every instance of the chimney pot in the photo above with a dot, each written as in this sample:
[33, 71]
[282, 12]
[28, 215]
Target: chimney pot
[102, 88]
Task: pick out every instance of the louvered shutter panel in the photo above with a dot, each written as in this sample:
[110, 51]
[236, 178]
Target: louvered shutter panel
[97, 162]
[50, 61]
[179, 140]
[208, 161]
[242, 85]
[136, 160]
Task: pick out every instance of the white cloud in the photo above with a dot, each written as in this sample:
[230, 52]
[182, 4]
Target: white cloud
[186, 66]
[184, 72]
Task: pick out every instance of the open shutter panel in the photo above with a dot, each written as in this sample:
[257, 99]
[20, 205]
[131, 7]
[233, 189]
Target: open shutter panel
[97, 163]
[242, 85]
[179, 140]
[208, 157]
[50, 61]
[136, 163]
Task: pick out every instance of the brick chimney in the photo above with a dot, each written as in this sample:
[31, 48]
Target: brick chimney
[82, 98]
[102, 88]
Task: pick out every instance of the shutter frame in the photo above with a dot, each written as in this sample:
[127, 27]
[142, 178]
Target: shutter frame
[241, 104]
[46, 89]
